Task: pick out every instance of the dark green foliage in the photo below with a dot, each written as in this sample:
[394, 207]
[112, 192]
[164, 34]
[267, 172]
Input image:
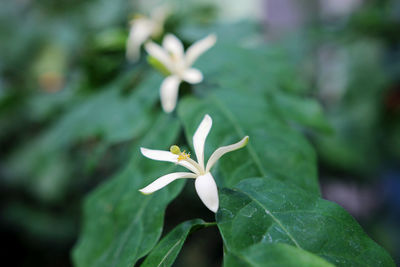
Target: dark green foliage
[267, 211]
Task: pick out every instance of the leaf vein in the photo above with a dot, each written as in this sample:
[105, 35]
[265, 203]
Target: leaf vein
[240, 132]
[273, 218]
[170, 251]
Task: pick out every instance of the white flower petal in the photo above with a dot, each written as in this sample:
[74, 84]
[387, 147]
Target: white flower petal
[188, 166]
[163, 155]
[198, 48]
[160, 155]
[160, 54]
[159, 16]
[192, 76]
[173, 45]
[199, 139]
[133, 50]
[169, 93]
[165, 180]
[223, 150]
[139, 33]
[207, 190]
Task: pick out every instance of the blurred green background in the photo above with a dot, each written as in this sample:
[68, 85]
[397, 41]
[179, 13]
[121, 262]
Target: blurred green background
[66, 104]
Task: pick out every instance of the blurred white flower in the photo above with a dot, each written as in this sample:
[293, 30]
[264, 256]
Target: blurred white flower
[178, 64]
[142, 29]
[206, 187]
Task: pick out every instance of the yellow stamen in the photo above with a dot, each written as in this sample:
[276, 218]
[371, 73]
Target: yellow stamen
[183, 155]
[177, 151]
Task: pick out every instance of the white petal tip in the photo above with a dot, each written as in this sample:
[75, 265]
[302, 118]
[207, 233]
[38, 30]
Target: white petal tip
[133, 56]
[152, 49]
[214, 209]
[170, 35]
[246, 140]
[213, 38]
[207, 118]
[193, 76]
[206, 189]
[168, 109]
[145, 192]
[169, 93]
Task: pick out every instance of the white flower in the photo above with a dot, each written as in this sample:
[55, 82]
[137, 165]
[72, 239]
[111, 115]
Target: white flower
[205, 185]
[179, 65]
[142, 29]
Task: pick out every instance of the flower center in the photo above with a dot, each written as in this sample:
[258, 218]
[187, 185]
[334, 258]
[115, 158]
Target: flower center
[177, 151]
[178, 64]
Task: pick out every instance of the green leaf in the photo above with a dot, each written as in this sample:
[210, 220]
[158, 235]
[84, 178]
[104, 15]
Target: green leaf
[111, 39]
[256, 70]
[274, 148]
[166, 251]
[305, 111]
[122, 225]
[274, 255]
[269, 211]
[229, 33]
[276, 80]
[109, 116]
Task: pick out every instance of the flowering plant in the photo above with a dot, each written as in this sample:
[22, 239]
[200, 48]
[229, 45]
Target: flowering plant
[205, 184]
[178, 65]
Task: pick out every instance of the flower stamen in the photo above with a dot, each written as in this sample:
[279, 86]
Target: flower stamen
[177, 151]
[205, 185]
[183, 155]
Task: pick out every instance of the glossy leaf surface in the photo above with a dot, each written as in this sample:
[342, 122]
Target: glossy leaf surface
[274, 148]
[122, 225]
[166, 251]
[268, 211]
[274, 255]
